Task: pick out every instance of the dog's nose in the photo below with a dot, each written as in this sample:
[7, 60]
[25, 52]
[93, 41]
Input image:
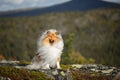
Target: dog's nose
[51, 41]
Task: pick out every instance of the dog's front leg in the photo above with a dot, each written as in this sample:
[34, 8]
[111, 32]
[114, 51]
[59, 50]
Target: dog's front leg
[58, 63]
[47, 66]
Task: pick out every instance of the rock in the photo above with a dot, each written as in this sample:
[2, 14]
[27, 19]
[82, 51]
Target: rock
[77, 65]
[98, 70]
[117, 77]
[4, 78]
[107, 71]
[8, 63]
[71, 72]
[55, 72]
[62, 73]
[58, 74]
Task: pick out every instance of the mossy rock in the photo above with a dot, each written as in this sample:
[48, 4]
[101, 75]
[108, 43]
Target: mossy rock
[79, 75]
[21, 74]
[68, 72]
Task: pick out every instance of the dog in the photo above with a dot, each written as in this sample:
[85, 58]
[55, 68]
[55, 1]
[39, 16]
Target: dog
[50, 47]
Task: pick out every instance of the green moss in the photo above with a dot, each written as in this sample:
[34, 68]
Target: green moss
[65, 67]
[23, 62]
[22, 74]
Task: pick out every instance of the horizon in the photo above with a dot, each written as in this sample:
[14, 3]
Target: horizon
[10, 5]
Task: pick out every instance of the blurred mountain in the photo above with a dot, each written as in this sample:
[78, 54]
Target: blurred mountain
[74, 5]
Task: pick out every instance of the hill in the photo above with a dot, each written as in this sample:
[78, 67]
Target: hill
[73, 5]
[91, 36]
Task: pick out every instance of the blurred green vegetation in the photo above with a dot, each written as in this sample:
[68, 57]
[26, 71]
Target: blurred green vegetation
[90, 37]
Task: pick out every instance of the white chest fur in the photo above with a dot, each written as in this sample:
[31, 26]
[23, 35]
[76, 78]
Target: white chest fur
[49, 55]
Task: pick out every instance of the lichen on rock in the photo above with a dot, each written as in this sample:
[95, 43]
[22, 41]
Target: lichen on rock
[68, 72]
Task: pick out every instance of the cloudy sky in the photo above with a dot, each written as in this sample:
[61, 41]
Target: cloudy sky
[6, 5]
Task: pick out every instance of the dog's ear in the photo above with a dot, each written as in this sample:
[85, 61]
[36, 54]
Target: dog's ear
[48, 32]
[57, 33]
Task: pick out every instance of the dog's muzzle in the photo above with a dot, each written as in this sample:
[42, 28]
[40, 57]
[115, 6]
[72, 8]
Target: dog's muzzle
[51, 41]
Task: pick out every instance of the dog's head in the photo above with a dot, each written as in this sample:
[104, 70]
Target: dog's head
[51, 37]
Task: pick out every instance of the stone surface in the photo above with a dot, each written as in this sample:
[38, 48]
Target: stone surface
[58, 74]
[4, 78]
[74, 72]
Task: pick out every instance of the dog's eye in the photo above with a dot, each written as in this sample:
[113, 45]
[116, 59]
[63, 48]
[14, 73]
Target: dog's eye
[57, 33]
[48, 32]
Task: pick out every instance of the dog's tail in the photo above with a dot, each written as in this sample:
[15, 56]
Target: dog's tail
[36, 64]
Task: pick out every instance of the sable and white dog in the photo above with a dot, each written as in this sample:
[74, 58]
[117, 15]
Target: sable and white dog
[50, 46]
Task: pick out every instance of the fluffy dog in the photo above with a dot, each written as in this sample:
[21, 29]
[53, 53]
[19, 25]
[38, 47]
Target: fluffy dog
[50, 46]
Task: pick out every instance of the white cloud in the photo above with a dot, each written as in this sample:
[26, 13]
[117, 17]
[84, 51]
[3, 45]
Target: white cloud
[18, 4]
[14, 1]
[115, 1]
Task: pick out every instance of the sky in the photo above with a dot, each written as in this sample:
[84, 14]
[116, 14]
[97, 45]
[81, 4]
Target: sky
[6, 5]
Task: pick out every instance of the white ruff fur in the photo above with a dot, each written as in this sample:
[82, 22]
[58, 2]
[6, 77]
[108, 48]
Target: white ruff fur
[49, 54]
